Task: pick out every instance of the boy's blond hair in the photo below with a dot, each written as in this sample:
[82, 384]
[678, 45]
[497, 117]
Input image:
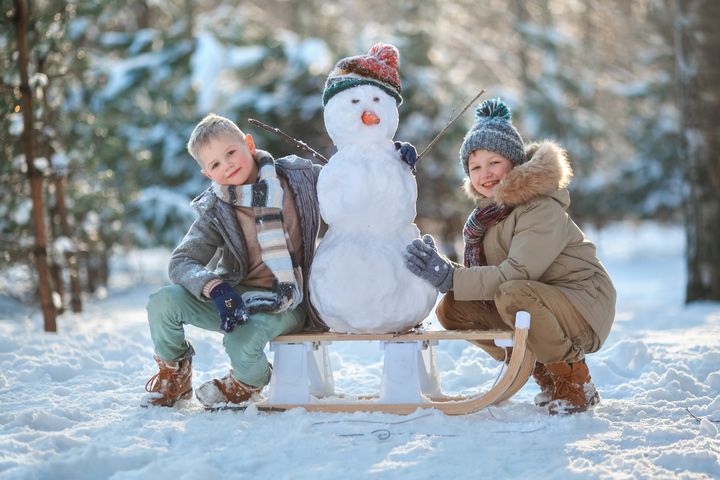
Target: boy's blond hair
[210, 127]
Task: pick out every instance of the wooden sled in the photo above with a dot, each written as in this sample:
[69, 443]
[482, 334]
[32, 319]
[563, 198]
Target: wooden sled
[302, 377]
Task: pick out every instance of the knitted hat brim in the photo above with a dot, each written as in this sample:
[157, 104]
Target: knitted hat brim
[336, 86]
[495, 138]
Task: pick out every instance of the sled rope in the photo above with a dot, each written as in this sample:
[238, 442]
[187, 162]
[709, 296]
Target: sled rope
[384, 434]
[381, 422]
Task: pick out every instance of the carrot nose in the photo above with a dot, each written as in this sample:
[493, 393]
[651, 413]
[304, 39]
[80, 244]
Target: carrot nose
[369, 118]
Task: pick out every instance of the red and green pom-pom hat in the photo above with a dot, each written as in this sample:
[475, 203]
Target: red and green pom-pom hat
[378, 67]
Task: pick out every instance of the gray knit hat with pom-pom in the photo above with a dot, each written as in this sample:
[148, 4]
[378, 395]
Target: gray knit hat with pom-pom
[493, 130]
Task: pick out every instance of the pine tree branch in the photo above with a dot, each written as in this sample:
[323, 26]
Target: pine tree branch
[442, 132]
[301, 145]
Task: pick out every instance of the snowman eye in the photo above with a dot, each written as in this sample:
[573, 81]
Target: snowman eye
[355, 100]
[376, 99]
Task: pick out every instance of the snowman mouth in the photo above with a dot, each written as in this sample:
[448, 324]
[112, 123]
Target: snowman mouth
[370, 118]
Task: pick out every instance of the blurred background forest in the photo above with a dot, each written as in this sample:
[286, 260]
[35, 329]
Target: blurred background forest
[117, 87]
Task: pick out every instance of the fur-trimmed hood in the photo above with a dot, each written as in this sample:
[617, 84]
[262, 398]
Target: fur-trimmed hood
[547, 172]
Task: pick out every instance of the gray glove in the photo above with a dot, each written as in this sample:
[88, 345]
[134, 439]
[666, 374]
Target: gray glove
[423, 259]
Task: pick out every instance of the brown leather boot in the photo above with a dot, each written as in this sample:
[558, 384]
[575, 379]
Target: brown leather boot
[172, 383]
[225, 390]
[573, 390]
[545, 381]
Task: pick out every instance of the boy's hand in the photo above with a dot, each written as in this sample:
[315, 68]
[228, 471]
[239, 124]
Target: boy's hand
[408, 154]
[230, 306]
[423, 259]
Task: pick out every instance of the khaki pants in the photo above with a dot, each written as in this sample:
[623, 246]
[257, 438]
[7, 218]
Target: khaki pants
[557, 331]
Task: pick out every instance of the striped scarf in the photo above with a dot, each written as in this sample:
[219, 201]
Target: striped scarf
[265, 197]
[474, 233]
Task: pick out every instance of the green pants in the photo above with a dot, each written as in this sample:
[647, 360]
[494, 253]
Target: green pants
[172, 307]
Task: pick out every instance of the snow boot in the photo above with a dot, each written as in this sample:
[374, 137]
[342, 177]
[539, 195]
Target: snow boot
[172, 383]
[545, 381]
[573, 390]
[225, 390]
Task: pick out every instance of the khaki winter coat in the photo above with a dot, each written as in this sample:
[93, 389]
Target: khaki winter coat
[538, 241]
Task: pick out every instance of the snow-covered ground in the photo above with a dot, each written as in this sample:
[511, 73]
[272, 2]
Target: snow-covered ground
[69, 401]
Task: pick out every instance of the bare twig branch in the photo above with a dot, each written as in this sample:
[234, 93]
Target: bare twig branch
[699, 419]
[442, 132]
[301, 145]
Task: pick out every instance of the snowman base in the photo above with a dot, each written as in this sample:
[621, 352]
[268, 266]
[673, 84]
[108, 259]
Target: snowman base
[303, 378]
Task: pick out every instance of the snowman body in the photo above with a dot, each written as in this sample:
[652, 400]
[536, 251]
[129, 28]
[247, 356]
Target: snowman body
[367, 195]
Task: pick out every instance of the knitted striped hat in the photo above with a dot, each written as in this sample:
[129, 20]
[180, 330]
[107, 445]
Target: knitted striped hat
[379, 67]
[493, 131]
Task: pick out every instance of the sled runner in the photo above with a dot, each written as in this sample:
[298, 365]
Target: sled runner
[302, 375]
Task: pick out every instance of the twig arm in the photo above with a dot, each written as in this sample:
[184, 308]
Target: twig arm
[299, 144]
[442, 132]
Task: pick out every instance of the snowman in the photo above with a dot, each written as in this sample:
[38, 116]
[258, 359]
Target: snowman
[367, 195]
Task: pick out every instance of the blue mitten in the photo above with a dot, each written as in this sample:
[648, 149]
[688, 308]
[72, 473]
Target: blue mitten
[423, 259]
[408, 154]
[230, 306]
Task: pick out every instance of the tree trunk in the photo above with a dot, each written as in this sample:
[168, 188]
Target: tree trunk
[91, 270]
[57, 285]
[59, 181]
[104, 267]
[35, 176]
[697, 48]
[71, 255]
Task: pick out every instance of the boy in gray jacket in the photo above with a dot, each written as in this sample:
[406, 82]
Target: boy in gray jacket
[261, 217]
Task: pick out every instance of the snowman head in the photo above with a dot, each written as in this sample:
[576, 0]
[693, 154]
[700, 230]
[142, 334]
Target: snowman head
[363, 114]
[374, 82]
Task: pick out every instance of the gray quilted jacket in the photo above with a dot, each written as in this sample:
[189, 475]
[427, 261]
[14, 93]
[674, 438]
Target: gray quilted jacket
[214, 247]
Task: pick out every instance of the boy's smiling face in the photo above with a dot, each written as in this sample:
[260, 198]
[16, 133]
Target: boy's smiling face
[487, 169]
[228, 160]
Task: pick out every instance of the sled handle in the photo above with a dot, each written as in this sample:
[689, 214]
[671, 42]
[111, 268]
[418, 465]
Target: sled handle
[522, 319]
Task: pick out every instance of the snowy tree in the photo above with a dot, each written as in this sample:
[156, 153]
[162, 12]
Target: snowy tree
[82, 204]
[650, 184]
[125, 84]
[141, 95]
[21, 17]
[156, 80]
[561, 93]
[697, 51]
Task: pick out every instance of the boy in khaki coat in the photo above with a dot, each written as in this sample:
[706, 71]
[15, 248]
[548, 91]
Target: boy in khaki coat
[524, 252]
